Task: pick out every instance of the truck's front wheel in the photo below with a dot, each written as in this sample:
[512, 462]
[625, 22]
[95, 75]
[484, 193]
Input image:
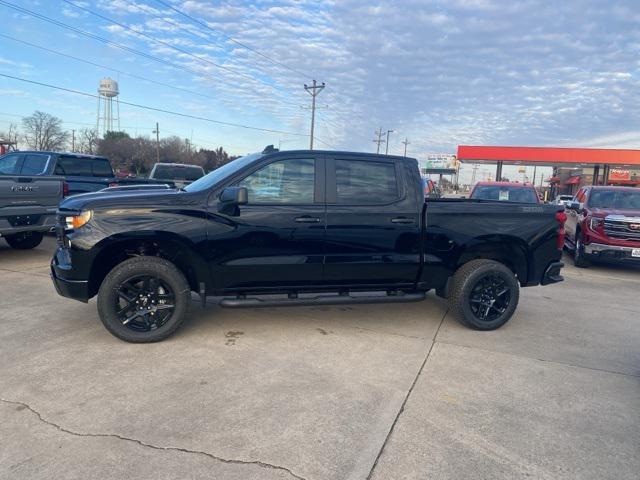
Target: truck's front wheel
[483, 294]
[143, 299]
[24, 240]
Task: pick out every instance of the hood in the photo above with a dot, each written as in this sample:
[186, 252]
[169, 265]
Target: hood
[603, 212]
[107, 198]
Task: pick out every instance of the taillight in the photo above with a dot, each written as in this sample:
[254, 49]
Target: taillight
[65, 189]
[561, 218]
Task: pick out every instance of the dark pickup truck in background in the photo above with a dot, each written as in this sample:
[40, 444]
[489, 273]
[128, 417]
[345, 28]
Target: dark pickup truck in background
[28, 208]
[82, 173]
[297, 228]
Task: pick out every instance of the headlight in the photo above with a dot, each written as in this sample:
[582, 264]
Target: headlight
[78, 221]
[595, 223]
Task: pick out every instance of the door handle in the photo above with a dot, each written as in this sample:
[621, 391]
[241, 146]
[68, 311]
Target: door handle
[402, 220]
[307, 219]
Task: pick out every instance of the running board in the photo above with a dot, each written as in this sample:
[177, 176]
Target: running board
[254, 302]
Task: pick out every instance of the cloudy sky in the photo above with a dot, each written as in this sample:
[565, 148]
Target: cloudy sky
[440, 73]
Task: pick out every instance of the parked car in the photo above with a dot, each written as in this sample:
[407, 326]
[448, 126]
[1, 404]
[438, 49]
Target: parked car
[430, 188]
[28, 206]
[604, 223]
[562, 200]
[178, 173]
[82, 173]
[505, 192]
[298, 228]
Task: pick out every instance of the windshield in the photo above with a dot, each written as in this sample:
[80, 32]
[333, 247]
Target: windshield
[219, 174]
[505, 193]
[620, 199]
[175, 172]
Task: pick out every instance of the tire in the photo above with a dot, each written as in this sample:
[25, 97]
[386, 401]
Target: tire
[476, 288]
[580, 258]
[24, 240]
[135, 291]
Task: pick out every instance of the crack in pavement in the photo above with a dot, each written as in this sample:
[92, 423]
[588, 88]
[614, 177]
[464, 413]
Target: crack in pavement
[149, 445]
[544, 360]
[406, 398]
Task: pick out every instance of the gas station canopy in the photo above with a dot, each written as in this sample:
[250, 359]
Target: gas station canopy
[548, 156]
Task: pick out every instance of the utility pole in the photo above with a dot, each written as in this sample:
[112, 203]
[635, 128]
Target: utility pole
[157, 132]
[379, 140]
[73, 140]
[386, 150]
[405, 143]
[314, 91]
[473, 174]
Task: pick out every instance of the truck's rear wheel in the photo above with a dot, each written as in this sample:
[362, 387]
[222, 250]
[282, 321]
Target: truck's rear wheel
[484, 294]
[143, 299]
[24, 240]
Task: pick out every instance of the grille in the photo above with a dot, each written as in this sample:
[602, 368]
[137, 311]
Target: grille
[622, 229]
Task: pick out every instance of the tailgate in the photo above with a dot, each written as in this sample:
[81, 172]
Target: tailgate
[35, 192]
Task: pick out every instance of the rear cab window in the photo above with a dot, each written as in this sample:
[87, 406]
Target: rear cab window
[505, 193]
[83, 167]
[177, 172]
[34, 164]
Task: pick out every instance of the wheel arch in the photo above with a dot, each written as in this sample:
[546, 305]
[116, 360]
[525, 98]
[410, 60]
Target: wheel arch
[178, 250]
[510, 251]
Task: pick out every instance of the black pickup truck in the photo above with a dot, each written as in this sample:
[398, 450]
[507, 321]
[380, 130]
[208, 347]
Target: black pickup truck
[296, 228]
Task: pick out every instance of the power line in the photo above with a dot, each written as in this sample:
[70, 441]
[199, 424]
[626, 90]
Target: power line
[156, 109]
[120, 46]
[106, 67]
[169, 45]
[231, 39]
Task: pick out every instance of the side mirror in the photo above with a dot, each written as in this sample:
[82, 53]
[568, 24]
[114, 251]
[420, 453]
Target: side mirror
[575, 206]
[233, 196]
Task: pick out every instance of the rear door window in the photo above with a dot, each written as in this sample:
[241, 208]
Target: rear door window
[74, 166]
[9, 164]
[34, 164]
[360, 182]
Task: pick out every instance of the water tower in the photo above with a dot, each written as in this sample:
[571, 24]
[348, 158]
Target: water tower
[107, 116]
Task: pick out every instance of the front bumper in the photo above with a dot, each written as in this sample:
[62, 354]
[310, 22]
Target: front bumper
[552, 274]
[75, 289]
[611, 252]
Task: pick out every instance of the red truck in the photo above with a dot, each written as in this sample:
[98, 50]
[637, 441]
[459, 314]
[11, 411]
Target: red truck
[604, 223]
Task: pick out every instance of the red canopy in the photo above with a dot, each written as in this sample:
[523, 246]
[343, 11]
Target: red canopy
[548, 155]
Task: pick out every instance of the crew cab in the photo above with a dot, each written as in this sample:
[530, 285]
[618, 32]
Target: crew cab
[505, 192]
[603, 222]
[299, 228]
[81, 173]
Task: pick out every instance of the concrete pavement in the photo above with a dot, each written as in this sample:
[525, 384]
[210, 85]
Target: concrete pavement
[379, 391]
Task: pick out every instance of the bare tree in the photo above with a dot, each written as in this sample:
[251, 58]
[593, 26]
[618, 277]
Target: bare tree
[43, 131]
[88, 141]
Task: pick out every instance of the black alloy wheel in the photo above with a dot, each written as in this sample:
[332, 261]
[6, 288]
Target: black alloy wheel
[144, 303]
[483, 294]
[490, 298]
[144, 299]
